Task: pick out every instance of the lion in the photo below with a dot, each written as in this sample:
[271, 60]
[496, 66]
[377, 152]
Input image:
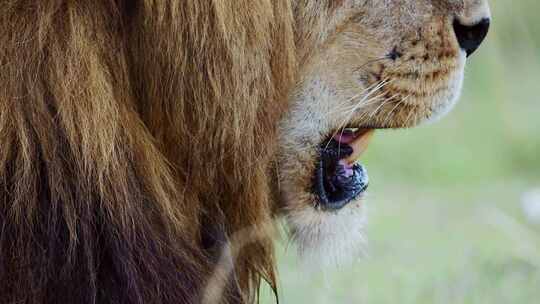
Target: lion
[365, 65]
[145, 144]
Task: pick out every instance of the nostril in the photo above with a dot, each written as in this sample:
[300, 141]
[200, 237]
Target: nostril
[471, 36]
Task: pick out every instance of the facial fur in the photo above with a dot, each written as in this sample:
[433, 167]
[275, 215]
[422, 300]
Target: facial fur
[368, 65]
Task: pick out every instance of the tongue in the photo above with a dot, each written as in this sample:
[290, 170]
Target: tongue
[358, 141]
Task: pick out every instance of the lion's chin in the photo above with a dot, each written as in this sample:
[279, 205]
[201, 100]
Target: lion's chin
[329, 239]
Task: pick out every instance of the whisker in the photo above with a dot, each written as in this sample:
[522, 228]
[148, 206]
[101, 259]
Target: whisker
[394, 108]
[373, 100]
[358, 105]
[411, 111]
[367, 100]
[385, 102]
[363, 102]
[372, 88]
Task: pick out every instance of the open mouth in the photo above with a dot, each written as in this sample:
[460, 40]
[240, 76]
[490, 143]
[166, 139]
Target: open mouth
[339, 178]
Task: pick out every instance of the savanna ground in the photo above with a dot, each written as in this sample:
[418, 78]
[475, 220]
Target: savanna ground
[446, 221]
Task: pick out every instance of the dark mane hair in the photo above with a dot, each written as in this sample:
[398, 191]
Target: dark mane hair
[135, 139]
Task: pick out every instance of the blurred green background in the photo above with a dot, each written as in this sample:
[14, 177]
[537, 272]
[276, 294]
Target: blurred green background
[447, 223]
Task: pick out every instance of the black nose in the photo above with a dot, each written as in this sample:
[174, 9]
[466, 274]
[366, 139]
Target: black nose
[471, 36]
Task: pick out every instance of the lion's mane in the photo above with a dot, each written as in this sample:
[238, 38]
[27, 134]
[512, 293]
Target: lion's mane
[136, 138]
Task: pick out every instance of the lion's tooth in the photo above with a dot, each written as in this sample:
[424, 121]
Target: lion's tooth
[351, 130]
[359, 146]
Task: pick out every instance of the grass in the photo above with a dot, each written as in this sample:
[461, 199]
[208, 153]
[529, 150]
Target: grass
[469, 245]
[446, 224]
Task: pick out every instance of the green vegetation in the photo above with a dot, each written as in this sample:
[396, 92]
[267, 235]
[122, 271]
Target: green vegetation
[446, 224]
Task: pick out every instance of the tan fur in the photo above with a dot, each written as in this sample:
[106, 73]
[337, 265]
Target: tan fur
[138, 139]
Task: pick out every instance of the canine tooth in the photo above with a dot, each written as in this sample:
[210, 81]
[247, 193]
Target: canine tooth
[359, 146]
[352, 130]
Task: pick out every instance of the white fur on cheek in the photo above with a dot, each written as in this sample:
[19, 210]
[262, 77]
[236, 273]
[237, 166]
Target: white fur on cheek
[329, 239]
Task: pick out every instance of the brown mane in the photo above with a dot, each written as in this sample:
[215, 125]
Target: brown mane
[134, 140]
